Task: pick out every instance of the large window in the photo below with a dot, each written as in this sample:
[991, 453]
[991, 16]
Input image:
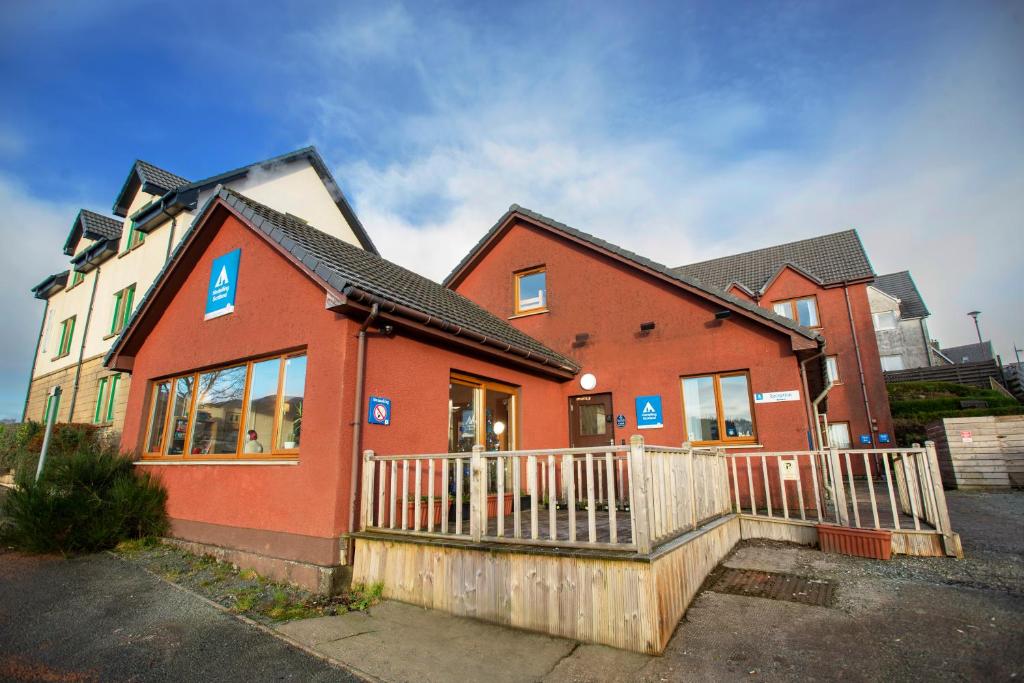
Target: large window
[123, 302]
[251, 409]
[531, 291]
[717, 409]
[803, 310]
[67, 332]
[481, 413]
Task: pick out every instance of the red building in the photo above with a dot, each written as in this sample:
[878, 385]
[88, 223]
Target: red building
[268, 355]
[821, 283]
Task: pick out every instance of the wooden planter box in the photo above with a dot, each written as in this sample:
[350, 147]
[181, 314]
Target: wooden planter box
[427, 508]
[492, 505]
[871, 543]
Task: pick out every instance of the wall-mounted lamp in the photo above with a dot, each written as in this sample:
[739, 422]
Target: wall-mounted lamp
[723, 314]
[647, 327]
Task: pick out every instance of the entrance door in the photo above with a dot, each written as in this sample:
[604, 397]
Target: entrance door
[591, 421]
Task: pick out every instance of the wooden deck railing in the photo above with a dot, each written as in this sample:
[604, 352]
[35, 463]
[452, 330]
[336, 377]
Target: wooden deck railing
[898, 488]
[630, 498]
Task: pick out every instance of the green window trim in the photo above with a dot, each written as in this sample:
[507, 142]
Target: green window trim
[135, 237]
[67, 333]
[123, 301]
[77, 278]
[98, 413]
[111, 396]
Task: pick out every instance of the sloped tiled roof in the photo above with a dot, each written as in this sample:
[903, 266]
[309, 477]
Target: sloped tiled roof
[345, 266]
[638, 260]
[93, 226]
[970, 353]
[830, 259]
[901, 286]
[158, 177]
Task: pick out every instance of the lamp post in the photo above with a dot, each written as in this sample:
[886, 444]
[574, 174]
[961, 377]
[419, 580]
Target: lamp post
[975, 314]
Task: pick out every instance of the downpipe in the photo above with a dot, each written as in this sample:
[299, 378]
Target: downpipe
[357, 426]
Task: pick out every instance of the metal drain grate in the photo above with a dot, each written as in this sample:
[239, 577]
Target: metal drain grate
[801, 589]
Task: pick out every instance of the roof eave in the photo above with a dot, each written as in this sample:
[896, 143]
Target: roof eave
[50, 286]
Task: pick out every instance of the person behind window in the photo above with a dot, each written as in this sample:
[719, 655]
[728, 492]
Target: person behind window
[252, 444]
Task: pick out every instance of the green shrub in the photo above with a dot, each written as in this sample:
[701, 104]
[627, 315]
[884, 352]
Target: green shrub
[89, 500]
[14, 442]
[914, 405]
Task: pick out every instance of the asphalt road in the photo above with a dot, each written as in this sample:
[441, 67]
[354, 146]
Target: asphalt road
[98, 618]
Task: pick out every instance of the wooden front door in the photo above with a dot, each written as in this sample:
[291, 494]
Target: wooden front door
[591, 421]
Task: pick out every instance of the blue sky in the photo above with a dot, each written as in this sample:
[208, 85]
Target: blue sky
[680, 130]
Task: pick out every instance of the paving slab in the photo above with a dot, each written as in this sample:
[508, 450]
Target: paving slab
[399, 642]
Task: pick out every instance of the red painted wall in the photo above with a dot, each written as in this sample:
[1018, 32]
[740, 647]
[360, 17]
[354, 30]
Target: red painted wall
[846, 400]
[589, 293]
[299, 499]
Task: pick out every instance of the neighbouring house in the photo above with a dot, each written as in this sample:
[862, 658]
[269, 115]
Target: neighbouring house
[113, 261]
[823, 283]
[970, 353]
[901, 328]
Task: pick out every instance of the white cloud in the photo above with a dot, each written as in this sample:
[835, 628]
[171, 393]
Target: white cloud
[32, 231]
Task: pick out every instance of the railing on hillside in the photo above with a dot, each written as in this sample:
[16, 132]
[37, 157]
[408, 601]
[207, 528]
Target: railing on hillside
[898, 488]
[629, 498]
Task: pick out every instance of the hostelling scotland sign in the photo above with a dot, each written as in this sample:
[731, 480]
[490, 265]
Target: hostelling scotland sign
[220, 296]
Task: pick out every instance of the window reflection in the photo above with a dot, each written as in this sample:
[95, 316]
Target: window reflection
[179, 415]
[290, 430]
[218, 406]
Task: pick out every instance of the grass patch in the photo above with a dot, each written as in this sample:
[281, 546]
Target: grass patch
[245, 591]
[914, 405]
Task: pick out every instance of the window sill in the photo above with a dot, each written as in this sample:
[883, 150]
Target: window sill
[130, 250]
[213, 461]
[526, 314]
[60, 357]
[110, 336]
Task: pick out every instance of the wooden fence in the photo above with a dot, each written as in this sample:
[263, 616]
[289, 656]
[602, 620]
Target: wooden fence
[629, 498]
[972, 374]
[898, 489]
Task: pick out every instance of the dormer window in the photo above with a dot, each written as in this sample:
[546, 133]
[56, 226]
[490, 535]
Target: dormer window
[531, 291]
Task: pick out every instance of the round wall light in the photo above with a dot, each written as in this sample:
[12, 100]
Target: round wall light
[588, 382]
[499, 428]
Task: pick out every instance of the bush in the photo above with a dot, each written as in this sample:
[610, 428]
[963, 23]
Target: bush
[89, 500]
[20, 444]
[14, 442]
[915, 405]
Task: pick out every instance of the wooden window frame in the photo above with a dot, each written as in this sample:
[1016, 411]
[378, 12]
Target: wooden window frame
[516, 277]
[67, 334]
[271, 453]
[717, 379]
[481, 386]
[792, 309]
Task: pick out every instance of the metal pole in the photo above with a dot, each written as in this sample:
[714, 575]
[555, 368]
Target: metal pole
[977, 328]
[51, 417]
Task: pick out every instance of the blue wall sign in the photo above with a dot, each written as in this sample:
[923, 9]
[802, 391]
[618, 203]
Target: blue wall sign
[648, 412]
[220, 295]
[865, 439]
[620, 421]
[380, 411]
[883, 438]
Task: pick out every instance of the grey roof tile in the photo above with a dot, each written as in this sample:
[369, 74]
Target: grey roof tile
[831, 259]
[154, 175]
[970, 353]
[901, 285]
[93, 226]
[349, 265]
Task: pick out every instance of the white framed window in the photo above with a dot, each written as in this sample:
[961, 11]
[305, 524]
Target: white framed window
[832, 368]
[893, 362]
[886, 320]
[839, 435]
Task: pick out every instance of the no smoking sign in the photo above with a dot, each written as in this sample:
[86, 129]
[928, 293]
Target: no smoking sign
[380, 411]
